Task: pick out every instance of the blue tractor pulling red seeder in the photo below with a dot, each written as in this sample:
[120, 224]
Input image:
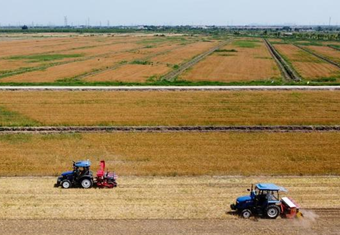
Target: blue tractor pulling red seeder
[264, 201]
[82, 176]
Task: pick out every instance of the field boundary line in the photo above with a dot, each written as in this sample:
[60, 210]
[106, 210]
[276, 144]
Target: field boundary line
[173, 74]
[333, 47]
[288, 73]
[169, 88]
[164, 129]
[318, 56]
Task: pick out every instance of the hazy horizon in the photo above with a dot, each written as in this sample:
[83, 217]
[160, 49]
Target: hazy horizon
[166, 12]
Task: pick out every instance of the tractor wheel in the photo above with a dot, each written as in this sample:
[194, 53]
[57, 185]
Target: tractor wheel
[86, 183]
[66, 184]
[272, 212]
[246, 214]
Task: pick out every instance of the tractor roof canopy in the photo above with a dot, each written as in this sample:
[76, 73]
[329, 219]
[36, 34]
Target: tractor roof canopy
[83, 164]
[270, 187]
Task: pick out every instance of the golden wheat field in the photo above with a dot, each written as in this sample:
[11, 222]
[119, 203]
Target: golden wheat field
[93, 58]
[307, 65]
[236, 63]
[172, 154]
[134, 108]
[328, 52]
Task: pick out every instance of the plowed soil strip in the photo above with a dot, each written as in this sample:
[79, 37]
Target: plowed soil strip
[164, 129]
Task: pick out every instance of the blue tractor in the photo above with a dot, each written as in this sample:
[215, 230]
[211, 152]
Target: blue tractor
[80, 176]
[264, 200]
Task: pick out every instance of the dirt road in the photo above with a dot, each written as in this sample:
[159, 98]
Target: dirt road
[321, 225]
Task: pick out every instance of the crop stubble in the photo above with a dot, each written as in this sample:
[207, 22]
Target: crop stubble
[152, 197]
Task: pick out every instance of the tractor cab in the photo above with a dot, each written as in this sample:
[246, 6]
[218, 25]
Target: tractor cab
[82, 168]
[267, 194]
[264, 199]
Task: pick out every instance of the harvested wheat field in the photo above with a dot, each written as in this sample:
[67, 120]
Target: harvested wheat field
[307, 65]
[328, 52]
[141, 69]
[153, 197]
[67, 59]
[132, 73]
[171, 154]
[171, 108]
[199, 204]
[184, 54]
[236, 62]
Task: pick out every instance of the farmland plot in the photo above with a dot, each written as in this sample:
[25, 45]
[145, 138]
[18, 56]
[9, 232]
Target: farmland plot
[329, 53]
[171, 108]
[171, 154]
[236, 63]
[156, 198]
[97, 55]
[181, 55]
[307, 65]
[141, 69]
[42, 55]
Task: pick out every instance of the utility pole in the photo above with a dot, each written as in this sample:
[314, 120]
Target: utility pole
[330, 21]
[65, 21]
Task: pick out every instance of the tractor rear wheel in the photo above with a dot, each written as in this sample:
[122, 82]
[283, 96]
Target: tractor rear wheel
[86, 183]
[272, 212]
[66, 184]
[246, 214]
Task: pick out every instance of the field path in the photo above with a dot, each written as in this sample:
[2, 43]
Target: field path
[168, 88]
[173, 74]
[323, 225]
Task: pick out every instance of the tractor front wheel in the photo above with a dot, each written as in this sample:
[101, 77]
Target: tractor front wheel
[86, 183]
[272, 212]
[246, 214]
[66, 184]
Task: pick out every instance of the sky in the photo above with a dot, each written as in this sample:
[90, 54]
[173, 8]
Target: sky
[169, 12]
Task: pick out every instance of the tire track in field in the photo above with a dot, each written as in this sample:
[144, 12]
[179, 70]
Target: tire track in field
[318, 56]
[173, 74]
[288, 73]
[163, 129]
